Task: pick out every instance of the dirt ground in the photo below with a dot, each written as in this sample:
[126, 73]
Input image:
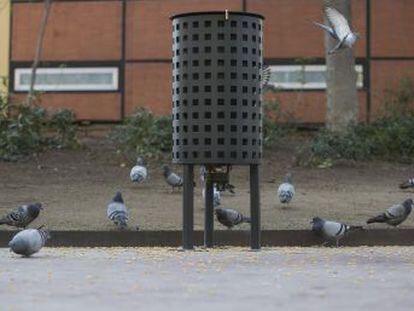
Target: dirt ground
[75, 187]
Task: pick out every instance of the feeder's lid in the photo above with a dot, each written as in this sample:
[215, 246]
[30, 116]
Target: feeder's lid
[216, 12]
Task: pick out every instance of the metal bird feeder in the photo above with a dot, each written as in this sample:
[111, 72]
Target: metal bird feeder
[217, 106]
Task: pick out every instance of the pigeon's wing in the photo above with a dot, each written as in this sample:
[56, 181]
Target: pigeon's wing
[326, 28]
[234, 216]
[266, 75]
[138, 173]
[174, 180]
[395, 211]
[115, 208]
[334, 229]
[338, 22]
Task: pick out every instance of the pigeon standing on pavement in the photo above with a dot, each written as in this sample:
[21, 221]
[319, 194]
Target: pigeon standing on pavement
[29, 241]
[230, 217]
[216, 196]
[139, 172]
[118, 212]
[331, 230]
[339, 29]
[286, 190]
[407, 184]
[395, 214]
[172, 178]
[22, 216]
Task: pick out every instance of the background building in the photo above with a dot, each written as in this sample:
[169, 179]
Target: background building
[105, 58]
[4, 41]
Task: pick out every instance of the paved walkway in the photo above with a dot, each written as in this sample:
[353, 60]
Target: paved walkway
[222, 279]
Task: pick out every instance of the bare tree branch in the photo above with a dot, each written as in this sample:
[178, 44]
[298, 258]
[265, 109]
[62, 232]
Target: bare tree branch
[39, 46]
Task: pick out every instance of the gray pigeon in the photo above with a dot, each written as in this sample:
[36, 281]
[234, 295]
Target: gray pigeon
[407, 184]
[139, 172]
[395, 214]
[29, 241]
[216, 196]
[339, 29]
[230, 217]
[172, 178]
[22, 216]
[118, 212]
[286, 190]
[331, 230]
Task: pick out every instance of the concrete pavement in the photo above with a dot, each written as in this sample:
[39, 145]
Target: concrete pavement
[360, 278]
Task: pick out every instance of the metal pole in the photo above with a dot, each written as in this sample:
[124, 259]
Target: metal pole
[188, 207]
[254, 207]
[209, 213]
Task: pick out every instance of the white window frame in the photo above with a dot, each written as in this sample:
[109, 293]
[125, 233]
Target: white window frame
[309, 85]
[113, 86]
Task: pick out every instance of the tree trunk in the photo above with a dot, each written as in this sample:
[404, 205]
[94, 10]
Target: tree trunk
[39, 45]
[341, 91]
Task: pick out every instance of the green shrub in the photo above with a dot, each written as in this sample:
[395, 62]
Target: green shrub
[390, 137]
[29, 129]
[143, 134]
[276, 123]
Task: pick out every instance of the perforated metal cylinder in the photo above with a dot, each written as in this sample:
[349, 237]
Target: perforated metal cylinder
[216, 90]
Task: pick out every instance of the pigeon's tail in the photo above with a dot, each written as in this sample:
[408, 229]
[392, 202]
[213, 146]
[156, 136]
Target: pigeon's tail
[285, 196]
[120, 219]
[379, 218]
[247, 219]
[3, 221]
[407, 184]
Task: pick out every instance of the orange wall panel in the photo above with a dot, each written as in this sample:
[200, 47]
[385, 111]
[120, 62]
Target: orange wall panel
[392, 28]
[75, 31]
[289, 33]
[87, 106]
[148, 85]
[310, 106]
[387, 75]
[149, 26]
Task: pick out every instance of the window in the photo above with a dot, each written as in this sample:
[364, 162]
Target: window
[68, 79]
[304, 76]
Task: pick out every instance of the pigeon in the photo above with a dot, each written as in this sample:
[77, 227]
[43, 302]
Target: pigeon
[230, 217]
[139, 172]
[339, 29]
[266, 75]
[216, 196]
[286, 190]
[407, 184]
[29, 241]
[22, 216]
[331, 230]
[172, 178]
[395, 214]
[118, 212]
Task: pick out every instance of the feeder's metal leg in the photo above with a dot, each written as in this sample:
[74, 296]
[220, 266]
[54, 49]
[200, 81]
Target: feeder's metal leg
[188, 207]
[254, 207]
[209, 214]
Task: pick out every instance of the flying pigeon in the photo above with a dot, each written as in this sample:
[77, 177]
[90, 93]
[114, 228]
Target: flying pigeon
[331, 230]
[118, 212]
[139, 172]
[339, 29]
[172, 178]
[29, 241]
[286, 190]
[22, 216]
[216, 196]
[407, 184]
[395, 214]
[230, 217]
[266, 75]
